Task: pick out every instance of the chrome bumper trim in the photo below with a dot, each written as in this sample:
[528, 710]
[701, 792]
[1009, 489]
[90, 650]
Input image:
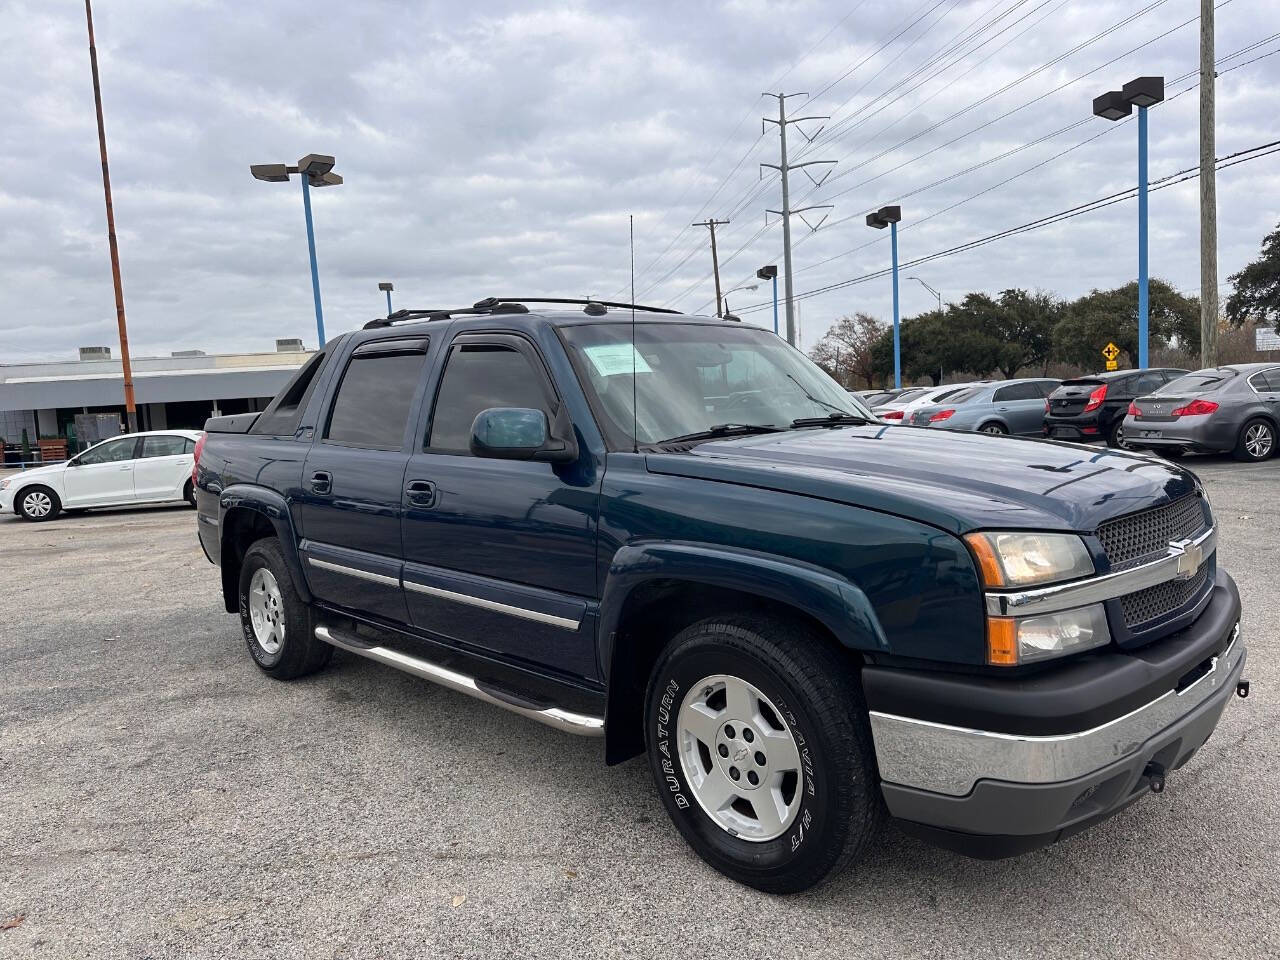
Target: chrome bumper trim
[950, 760]
[565, 720]
[1182, 561]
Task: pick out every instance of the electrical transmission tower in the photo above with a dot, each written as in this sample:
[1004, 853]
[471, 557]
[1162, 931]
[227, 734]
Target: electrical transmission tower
[712, 223]
[784, 168]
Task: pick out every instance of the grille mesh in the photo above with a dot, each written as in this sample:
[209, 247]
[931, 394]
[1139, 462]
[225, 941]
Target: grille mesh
[1130, 538]
[1163, 598]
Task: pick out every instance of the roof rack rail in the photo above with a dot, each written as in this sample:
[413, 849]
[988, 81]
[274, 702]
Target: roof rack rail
[499, 305]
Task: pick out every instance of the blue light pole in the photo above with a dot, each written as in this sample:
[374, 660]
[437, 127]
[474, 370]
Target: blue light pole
[386, 287]
[889, 217]
[315, 170]
[1142, 93]
[771, 273]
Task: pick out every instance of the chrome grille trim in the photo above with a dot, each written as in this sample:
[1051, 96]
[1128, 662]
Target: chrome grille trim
[1129, 539]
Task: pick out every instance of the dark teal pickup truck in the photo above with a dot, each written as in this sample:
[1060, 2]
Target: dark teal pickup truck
[679, 535]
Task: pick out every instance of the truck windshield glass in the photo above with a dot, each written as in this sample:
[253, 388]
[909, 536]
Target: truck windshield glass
[692, 377]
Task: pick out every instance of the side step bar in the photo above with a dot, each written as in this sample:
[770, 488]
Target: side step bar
[578, 723]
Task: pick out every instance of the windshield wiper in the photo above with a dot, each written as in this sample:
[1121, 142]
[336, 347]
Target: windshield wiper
[725, 430]
[830, 420]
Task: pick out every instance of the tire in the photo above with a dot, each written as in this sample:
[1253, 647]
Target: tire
[37, 504]
[993, 428]
[805, 707]
[281, 642]
[189, 493]
[1257, 441]
[1115, 436]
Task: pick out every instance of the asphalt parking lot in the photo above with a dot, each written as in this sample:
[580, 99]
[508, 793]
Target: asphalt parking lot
[159, 797]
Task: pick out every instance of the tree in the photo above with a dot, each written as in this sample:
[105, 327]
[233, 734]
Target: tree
[1103, 316]
[1004, 334]
[1256, 295]
[845, 350]
[923, 341]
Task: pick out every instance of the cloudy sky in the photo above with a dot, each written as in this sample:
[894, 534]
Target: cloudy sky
[498, 149]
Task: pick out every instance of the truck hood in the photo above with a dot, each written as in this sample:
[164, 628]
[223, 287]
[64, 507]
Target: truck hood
[957, 481]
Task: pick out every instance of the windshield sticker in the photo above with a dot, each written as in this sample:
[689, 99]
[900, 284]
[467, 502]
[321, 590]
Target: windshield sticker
[611, 359]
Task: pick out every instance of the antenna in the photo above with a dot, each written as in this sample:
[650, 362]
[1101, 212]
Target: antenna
[635, 409]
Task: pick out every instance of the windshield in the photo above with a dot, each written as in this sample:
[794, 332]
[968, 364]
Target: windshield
[906, 396]
[968, 393]
[1202, 381]
[692, 377]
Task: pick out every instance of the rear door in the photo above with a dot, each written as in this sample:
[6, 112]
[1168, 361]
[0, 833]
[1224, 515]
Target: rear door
[349, 509]
[1266, 384]
[1021, 406]
[500, 554]
[101, 475]
[163, 467]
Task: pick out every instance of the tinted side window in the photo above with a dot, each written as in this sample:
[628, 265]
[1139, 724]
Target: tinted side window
[1265, 381]
[113, 451]
[477, 377]
[373, 401]
[1147, 383]
[1018, 391]
[165, 446]
[283, 413]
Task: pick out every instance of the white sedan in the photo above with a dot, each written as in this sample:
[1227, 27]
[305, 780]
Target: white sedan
[152, 467]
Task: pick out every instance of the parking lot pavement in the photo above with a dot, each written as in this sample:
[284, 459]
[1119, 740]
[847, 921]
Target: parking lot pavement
[161, 798]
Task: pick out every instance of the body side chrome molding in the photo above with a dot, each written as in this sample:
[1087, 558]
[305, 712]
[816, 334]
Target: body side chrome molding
[949, 760]
[566, 720]
[354, 572]
[1079, 593]
[565, 623]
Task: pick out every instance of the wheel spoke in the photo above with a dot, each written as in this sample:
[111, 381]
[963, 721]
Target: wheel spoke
[700, 721]
[740, 702]
[781, 751]
[769, 809]
[716, 792]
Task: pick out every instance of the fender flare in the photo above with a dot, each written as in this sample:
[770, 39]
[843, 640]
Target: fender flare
[834, 601]
[244, 497]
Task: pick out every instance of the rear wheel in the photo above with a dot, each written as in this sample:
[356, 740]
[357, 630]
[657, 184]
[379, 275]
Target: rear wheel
[1257, 441]
[276, 622]
[1115, 436]
[993, 428]
[759, 743]
[189, 493]
[39, 504]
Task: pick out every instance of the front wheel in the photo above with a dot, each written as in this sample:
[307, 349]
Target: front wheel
[38, 504]
[759, 743]
[276, 622]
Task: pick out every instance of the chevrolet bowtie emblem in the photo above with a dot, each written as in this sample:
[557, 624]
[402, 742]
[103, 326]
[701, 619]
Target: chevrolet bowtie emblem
[1190, 555]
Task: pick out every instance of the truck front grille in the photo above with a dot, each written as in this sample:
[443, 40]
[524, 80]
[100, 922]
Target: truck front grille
[1132, 538]
[1164, 598]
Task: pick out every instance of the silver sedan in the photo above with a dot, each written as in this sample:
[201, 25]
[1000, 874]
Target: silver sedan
[1233, 408]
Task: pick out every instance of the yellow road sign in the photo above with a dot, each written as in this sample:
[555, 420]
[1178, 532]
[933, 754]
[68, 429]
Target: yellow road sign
[1110, 352]
[1113, 365]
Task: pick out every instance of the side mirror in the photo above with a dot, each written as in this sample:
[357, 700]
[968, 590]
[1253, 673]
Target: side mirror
[520, 433]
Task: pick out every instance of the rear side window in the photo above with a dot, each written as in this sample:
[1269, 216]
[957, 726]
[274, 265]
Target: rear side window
[372, 406]
[283, 414]
[480, 376]
[1266, 381]
[165, 446]
[1146, 383]
[1018, 391]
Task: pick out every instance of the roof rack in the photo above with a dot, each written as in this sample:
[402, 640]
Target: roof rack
[499, 305]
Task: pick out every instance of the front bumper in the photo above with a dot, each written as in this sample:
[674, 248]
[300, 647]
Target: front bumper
[994, 794]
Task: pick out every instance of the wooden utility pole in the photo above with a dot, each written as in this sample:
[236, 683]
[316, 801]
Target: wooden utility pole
[131, 409]
[715, 259]
[1208, 195]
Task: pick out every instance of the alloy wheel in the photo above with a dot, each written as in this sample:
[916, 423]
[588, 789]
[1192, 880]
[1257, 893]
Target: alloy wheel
[266, 611]
[740, 758]
[37, 504]
[1258, 441]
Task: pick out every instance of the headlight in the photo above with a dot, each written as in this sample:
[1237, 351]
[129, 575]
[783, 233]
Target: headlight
[1012, 640]
[3, 484]
[1029, 559]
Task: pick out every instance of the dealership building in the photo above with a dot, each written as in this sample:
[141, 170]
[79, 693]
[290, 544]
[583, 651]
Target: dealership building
[178, 391]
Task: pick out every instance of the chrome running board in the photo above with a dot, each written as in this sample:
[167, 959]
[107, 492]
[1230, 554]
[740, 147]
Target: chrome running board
[579, 723]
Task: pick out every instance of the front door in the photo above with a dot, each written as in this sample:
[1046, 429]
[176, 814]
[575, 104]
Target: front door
[163, 467]
[500, 554]
[101, 475]
[349, 511]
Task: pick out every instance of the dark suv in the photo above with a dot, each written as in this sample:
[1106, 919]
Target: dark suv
[678, 534]
[1094, 407]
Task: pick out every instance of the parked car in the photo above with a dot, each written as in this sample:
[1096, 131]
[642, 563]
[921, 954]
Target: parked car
[892, 409]
[902, 415]
[804, 620]
[151, 467]
[1094, 407]
[1233, 408]
[1004, 407]
[876, 398]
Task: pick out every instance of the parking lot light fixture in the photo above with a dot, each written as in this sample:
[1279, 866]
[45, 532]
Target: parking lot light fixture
[889, 217]
[386, 287]
[753, 286]
[770, 272]
[314, 170]
[1141, 92]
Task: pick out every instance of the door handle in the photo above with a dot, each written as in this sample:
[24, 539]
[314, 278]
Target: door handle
[127, 466]
[321, 481]
[421, 493]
